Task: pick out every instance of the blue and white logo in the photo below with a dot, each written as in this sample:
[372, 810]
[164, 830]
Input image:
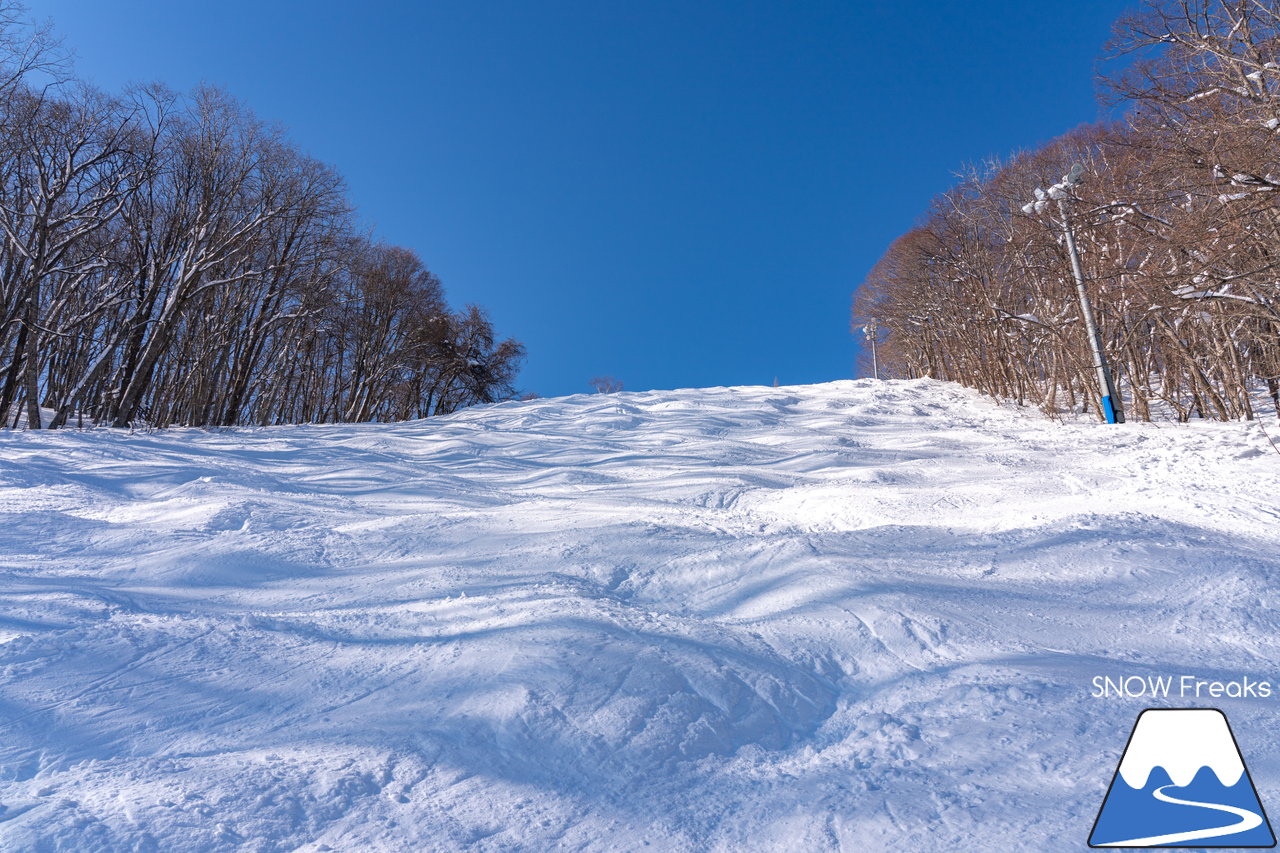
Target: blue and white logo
[1182, 783]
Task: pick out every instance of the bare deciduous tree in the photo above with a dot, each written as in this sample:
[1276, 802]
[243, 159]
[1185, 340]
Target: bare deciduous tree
[605, 385]
[172, 259]
[1177, 225]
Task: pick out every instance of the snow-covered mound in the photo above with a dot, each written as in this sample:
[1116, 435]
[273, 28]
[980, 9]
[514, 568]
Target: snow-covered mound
[860, 615]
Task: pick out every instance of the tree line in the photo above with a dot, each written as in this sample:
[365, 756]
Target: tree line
[170, 259]
[1178, 226]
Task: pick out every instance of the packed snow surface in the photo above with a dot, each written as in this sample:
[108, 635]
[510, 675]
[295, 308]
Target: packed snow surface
[861, 615]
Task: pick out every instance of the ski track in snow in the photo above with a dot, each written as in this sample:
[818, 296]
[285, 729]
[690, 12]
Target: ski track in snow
[860, 616]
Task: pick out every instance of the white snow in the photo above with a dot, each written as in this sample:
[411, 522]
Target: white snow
[1181, 742]
[861, 616]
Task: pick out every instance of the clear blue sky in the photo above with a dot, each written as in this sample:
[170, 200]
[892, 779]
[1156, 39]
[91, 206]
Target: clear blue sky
[674, 193]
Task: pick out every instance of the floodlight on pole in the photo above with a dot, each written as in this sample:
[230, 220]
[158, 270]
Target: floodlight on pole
[1112, 410]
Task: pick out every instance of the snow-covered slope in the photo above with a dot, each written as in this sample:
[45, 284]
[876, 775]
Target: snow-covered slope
[861, 616]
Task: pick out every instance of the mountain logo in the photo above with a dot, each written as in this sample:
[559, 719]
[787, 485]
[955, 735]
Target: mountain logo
[1182, 783]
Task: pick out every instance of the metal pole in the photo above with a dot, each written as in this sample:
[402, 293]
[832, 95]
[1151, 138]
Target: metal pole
[1112, 410]
[870, 332]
